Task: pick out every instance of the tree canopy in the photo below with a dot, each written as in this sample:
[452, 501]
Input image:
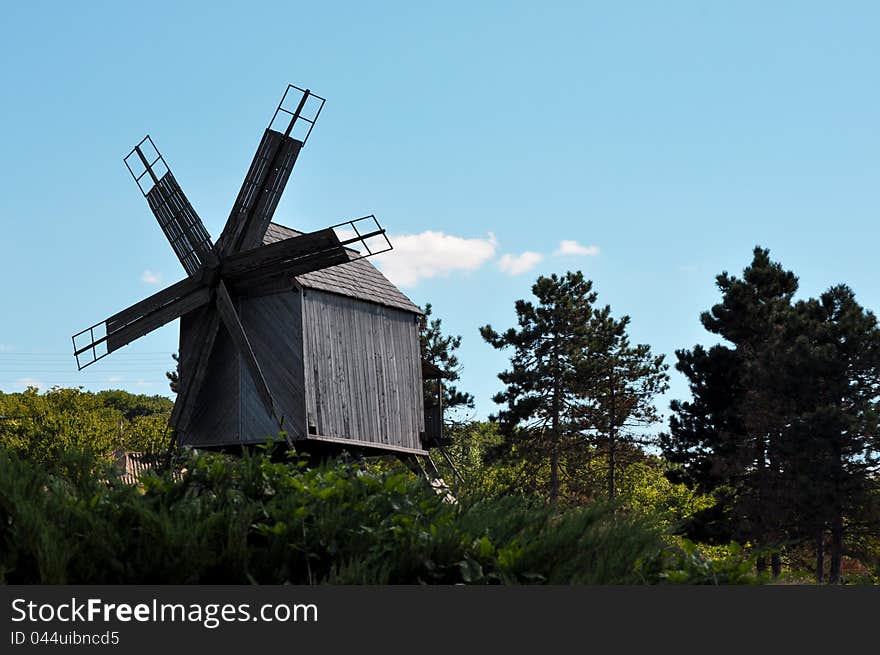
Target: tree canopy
[576, 387]
[783, 423]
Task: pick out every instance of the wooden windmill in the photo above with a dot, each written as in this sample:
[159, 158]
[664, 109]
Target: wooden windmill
[272, 339]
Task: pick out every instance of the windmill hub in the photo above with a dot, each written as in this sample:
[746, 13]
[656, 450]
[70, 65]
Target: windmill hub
[212, 275]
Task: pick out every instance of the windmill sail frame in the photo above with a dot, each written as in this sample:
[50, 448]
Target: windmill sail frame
[178, 220]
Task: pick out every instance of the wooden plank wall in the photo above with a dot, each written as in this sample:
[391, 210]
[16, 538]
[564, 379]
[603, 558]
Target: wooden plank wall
[229, 411]
[215, 419]
[273, 324]
[362, 370]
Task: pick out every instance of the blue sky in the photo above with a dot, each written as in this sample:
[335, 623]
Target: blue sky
[672, 137]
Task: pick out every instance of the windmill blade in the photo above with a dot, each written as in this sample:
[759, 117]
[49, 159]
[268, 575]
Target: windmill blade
[179, 221]
[272, 258]
[271, 263]
[229, 316]
[122, 328]
[260, 192]
[268, 175]
[193, 371]
[281, 278]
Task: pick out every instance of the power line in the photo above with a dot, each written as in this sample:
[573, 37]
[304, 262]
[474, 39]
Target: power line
[69, 355]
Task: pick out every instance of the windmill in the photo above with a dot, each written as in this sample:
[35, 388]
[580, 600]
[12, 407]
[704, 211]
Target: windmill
[246, 328]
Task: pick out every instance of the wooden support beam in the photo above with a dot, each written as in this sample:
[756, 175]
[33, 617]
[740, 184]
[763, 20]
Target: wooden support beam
[293, 268]
[229, 316]
[268, 257]
[402, 451]
[191, 380]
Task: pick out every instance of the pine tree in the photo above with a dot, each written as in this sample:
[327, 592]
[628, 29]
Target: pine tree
[732, 434]
[542, 422]
[706, 441]
[440, 350]
[833, 443]
[577, 387]
[174, 376]
[625, 380]
[784, 423]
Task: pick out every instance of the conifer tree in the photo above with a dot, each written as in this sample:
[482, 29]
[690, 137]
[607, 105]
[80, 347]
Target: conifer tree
[624, 380]
[576, 386]
[733, 434]
[833, 447]
[440, 350]
[783, 423]
[541, 420]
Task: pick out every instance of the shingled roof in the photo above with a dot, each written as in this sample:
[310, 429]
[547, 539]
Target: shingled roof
[356, 279]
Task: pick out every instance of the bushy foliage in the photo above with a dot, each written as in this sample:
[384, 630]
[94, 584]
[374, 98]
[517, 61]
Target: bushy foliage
[44, 426]
[484, 467]
[209, 518]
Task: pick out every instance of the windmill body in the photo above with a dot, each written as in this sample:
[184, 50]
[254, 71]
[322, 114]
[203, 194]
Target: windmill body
[281, 333]
[341, 346]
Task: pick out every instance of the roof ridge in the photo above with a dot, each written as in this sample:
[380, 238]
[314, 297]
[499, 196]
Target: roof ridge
[358, 278]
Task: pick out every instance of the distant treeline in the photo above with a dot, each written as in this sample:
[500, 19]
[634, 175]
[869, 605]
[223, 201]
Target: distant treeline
[41, 427]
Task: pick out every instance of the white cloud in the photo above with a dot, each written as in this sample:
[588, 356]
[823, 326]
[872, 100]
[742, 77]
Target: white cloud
[149, 277]
[346, 233]
[6, 348]
[517, 264]
[571, 247]
[417, 257]
[113, 379]
[24, 383]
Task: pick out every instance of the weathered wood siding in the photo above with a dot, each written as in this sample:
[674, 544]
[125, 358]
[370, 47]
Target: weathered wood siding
[229, 411]
[362, 370]
[274, 327]
[216, 410]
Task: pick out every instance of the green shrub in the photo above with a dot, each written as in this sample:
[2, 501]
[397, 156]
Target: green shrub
[208, 518]
[43, 427]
